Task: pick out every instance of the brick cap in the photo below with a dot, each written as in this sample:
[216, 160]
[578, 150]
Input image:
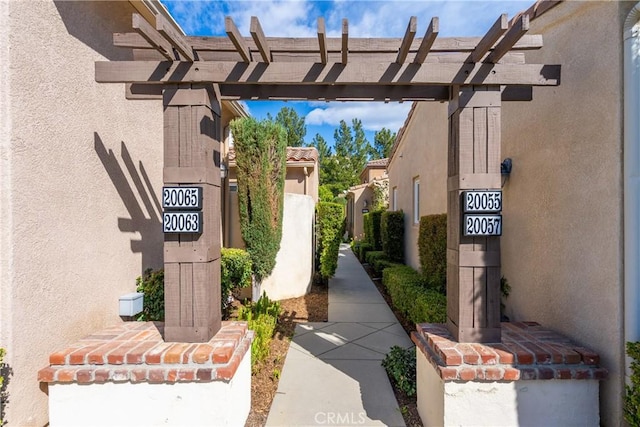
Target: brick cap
[527, 352]
[135, 352]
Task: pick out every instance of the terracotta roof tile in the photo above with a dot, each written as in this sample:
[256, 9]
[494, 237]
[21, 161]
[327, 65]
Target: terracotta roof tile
[378, 163]
[294, 154]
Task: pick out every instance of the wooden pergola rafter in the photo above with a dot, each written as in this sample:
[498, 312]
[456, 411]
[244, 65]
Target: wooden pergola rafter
[193, 74]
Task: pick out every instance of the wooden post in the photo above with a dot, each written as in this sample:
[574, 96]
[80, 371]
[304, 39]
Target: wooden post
[192, 130]
[473, 263]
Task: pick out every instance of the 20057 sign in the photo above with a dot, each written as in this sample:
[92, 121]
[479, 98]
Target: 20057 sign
[482, 225]
[182, 197]
[182, 222]
[481, 201]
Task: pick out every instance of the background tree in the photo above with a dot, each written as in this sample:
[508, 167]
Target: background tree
[382, 142]
[294, 125]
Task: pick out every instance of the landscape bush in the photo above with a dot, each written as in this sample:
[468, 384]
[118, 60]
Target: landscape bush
[151, 284]
[432, 247]
[631, 405]
[364, 248]
[261, 317]
[372, 256]
[400, 364]
[380, 264]
[329, 228]
[372, 234]
[235, 272]
[392, 235]
[411, 297]
[261, 167]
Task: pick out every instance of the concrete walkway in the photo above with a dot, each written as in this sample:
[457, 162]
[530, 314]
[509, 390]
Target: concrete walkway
[332, 374]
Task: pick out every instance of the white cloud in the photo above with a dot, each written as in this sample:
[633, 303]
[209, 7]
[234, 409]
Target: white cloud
[374, 115]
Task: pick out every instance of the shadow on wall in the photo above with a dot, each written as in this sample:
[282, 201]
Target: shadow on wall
[149, 227]
[94, 22]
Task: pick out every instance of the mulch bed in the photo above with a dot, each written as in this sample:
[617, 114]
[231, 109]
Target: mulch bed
[313, 307]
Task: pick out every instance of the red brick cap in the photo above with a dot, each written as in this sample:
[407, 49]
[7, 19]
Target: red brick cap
[527, 352]
[136, 352]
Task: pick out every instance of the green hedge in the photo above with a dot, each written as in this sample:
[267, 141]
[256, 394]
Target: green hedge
[372, 234]
[330, 228]
[380, 264]
[392, 235]
[432, 247]
[373, 256]
[409, 295]
[151, 284]
[631, 404]
[362, 251]
[261, 165]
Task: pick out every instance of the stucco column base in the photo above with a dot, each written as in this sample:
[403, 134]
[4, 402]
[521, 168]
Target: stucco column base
[128, 376]
[534, 377]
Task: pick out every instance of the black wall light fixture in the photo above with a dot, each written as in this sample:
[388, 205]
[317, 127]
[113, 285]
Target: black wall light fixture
[505, 169]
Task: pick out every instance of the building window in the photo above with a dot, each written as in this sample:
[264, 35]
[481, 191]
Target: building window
[394, 199]
[416, 200]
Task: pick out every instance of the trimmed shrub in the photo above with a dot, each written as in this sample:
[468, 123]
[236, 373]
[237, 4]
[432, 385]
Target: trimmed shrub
[325, 194]
[380, 264]
[372, 229]
[151, 284]
[261, 166]
[330, 227]
[235, 272]
[400, 364]
[409, 295]
[364, 248]
[373, 256]
[432, 247]
[392, 235]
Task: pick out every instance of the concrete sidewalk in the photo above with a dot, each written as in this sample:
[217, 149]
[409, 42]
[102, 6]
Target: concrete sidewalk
[332, 374]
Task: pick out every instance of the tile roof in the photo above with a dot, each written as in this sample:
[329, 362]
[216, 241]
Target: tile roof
[294, 154]
[377, 163]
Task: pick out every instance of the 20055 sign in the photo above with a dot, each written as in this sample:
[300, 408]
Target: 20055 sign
[482, 225]
[482, 201]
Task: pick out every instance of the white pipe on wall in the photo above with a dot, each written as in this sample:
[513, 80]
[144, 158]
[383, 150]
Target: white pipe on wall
[632, 174]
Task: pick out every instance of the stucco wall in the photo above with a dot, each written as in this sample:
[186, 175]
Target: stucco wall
[355, 217]
[422, 153]
[562, 236]
[81, 176]
[292, 275]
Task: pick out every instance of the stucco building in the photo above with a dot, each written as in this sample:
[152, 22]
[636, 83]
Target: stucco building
[361, 197]
[81, 178]
[570, 241]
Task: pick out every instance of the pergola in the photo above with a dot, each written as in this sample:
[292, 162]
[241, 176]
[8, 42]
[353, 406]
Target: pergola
[193, 74]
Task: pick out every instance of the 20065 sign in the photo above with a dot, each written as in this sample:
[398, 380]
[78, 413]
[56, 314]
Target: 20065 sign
[182, 222]
[182, 197]
[482, 225]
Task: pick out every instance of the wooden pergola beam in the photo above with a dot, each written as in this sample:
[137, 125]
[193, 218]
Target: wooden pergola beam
[515, 33]
[312, 73]
[409, 35]
[427, 41]
[236, 39]
[490, 38]
[345, 41]
[258, 37]
[177, 40]
[334, 44]
[322, 41]
[152, 37]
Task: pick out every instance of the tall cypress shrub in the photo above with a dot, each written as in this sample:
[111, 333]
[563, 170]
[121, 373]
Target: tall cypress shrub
[330, 228]
[432, 247]
[261, 167]
[392, 231]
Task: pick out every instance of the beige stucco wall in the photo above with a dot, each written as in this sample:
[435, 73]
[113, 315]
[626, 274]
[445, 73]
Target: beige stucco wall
[301, 180]
[79, 195]
[422, 153]
[359, 198]
[369, 174]
[562, 236]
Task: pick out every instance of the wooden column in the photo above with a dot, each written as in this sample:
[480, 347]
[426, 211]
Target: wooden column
[192, 130]
[473, 263]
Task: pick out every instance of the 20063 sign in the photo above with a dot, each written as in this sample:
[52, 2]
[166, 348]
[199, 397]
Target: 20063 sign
[182, 222]
[482, 225]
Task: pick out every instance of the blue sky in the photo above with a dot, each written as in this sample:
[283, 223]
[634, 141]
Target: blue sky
[298, 18]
